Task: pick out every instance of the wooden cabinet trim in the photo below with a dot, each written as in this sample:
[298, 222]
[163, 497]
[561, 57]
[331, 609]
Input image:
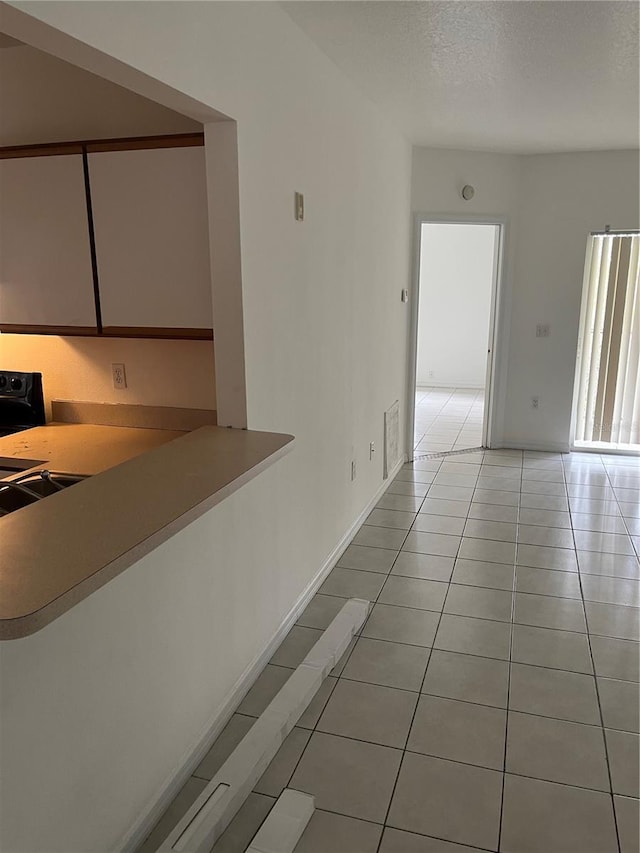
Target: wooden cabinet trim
[157, 332]
[183, 140]
[110, 332]
[54, 149]
[132, 143]
[18, 329]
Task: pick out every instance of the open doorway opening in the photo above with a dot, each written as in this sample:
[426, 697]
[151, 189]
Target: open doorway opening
[457, 283]
[606, 414]
[111, 157]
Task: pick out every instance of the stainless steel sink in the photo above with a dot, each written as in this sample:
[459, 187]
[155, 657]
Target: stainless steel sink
[10, 466]
[26, 490]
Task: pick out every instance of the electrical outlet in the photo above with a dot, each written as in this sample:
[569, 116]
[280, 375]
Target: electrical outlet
[353, 469]
[119, 377]
[543, 330]
[372, 449]
[431, 374]
[535, 402]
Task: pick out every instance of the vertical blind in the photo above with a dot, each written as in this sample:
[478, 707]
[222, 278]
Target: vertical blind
[609, 375]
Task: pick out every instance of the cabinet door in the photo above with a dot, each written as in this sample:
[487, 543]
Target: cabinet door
[152, 242]
[46, 278]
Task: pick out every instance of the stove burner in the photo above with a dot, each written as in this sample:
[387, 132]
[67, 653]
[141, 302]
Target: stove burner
[21, 401]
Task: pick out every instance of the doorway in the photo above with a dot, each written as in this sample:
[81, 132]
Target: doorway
[457, 271]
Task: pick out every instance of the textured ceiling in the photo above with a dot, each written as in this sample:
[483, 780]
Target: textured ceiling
[504, 75]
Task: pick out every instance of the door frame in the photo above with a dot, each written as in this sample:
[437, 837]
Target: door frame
[494, 352]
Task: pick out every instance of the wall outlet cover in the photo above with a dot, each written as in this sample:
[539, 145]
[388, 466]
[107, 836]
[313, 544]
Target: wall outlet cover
[119, 376]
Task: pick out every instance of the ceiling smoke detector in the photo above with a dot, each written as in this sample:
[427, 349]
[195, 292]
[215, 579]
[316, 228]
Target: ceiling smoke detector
[467, 192]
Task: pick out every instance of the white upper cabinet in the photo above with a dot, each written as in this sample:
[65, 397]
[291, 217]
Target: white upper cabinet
[151, 236]
[46, 276]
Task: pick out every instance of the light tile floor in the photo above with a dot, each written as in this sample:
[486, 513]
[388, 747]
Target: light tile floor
[448, 419]
[491, 700]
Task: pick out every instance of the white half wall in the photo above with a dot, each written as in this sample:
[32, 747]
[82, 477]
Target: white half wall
[325, 334]
[456, 279]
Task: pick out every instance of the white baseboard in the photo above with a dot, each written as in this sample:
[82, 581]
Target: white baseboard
[218, 803]
[545, 446]
[194, 755]
[462, 386]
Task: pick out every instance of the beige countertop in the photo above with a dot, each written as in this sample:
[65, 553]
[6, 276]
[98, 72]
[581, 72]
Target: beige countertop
[150, 484]
[81, 448]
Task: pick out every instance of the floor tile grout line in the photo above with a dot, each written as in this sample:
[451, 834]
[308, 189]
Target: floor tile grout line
[624, 519]
[415, 710]
[469, 702]
[442, 758]
[572, 550]
[481, 657]
[567, 572]
[597, 692]
[462, 763]
[604, 736]
[509, 666]
[357, 638]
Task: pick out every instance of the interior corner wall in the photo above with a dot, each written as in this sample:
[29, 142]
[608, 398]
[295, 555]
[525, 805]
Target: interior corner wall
[456, 284]
[325, 350]
[563, 198]
[550, 202]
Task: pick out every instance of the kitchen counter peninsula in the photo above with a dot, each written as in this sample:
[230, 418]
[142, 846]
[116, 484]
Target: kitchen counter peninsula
[149, 484]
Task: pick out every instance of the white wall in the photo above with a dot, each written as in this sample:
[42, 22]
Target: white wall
[564, 197]
[550, 202]
[325, 356]
[438, 176]
[456, 280]
[36, 104]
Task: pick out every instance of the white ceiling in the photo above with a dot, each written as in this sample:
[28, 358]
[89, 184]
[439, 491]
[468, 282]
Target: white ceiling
[504, 75]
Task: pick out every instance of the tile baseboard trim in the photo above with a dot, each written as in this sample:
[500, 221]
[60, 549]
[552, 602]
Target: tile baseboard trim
[458, 386]
[285, 823]
[545, 446]
[203, 743]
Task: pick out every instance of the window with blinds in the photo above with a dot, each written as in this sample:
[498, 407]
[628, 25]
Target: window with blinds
[608, 372]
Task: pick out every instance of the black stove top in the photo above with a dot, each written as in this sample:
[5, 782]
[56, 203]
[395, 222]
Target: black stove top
[21, 401]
